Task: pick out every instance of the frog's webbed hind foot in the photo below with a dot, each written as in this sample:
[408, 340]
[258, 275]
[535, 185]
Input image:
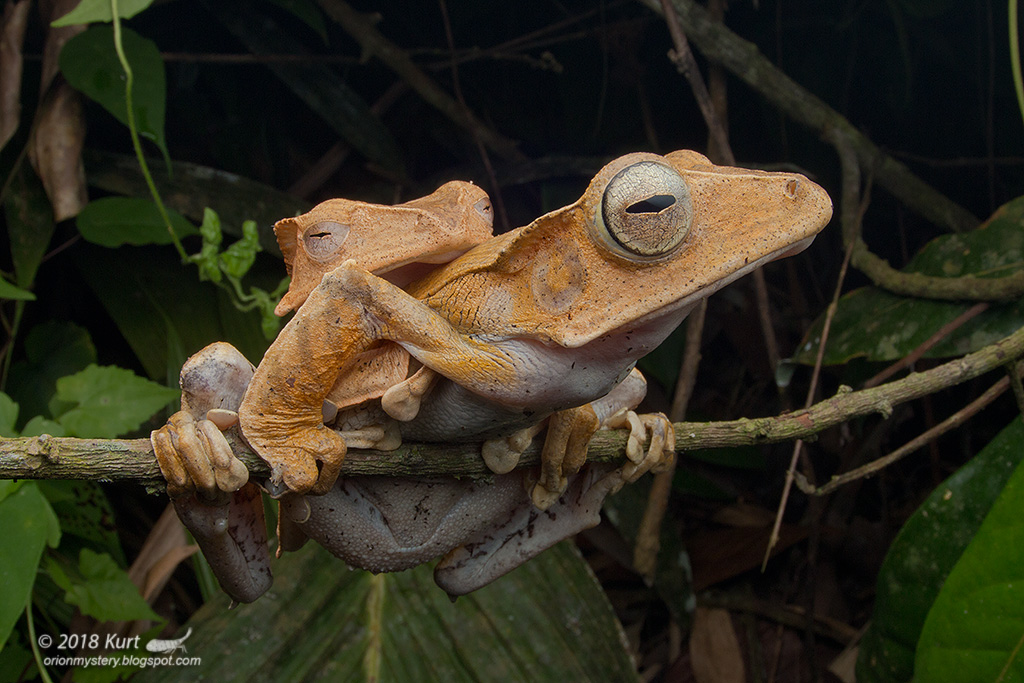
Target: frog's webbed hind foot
[526, 531]
[233, 537]
[205, 481]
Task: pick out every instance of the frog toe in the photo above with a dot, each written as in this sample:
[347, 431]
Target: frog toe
[402, 401]
[543, 497]
[500, 455]
[304, 461]
[657, 430]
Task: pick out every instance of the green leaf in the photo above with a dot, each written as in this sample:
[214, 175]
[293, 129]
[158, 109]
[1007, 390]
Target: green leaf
[30, 226]
[15, 659]
[109, 401]
[925, 551]
[39, 425]
[548, 620]
[237, 259]
[29, 525]
[164, 312]
[89, 63]
[89, 11]
[52, 350]
[9, 291]
[7, 488]
[975, 629]
[101, 589]
[114, 221]
[8, 416]
[881, 326]
[85, 513]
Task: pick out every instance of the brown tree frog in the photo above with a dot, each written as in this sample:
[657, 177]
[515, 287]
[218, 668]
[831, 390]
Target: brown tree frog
[547, 320]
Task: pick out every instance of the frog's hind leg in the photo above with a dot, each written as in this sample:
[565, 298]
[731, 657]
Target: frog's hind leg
[527, 531]
[570, 431]
[206, 482]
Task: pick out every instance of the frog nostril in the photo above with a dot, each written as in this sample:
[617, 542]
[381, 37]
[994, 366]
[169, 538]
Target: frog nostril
[653, 204]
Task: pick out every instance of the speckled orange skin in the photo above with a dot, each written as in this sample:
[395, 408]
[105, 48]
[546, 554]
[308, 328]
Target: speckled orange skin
[540, 319]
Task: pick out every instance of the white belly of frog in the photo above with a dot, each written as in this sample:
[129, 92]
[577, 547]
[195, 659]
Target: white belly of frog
[163, 647]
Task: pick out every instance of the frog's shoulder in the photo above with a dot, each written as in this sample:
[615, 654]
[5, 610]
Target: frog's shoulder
[489, 256]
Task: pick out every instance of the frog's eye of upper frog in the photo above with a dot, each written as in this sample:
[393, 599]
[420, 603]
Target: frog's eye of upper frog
[645, 212]
[323, 240]
[484, 208]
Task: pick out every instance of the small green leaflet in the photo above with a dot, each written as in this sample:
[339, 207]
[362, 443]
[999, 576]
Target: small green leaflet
[108, 401]
[8, 416]
[9, 291]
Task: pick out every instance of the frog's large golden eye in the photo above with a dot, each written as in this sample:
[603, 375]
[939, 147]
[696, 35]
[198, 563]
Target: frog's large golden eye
[646, 210]
[323, 240]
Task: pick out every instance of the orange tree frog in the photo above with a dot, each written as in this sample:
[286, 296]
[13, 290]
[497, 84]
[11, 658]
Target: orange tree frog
[543, 321]
[533, 323]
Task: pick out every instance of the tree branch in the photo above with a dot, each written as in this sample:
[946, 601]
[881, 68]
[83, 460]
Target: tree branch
[966, 288]
[361, 28]
[744, 60]
[47, 457]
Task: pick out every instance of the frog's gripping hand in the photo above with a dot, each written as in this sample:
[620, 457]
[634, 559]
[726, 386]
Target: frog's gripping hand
[206, 482]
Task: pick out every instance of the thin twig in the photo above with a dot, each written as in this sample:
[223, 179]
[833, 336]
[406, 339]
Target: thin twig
[922, 349]
[485, 158]
[362, 30]
[954, 420]
[331, 160]
[964, 288]
[788, 615]
[683, 58]
[648, 535]
[852, 210]
[47, 457]
[1013, 371]
[746, 62]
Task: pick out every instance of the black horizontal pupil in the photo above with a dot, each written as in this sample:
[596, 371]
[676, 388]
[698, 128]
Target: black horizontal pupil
[653, 204]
